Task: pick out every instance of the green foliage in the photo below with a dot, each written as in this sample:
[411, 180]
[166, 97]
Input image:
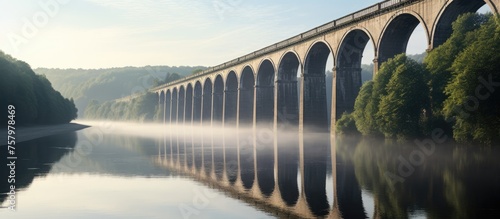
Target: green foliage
[473, 100]
[35, 100]
[346, 124]
[401, 110]
[364, 111]
[457, 82]
[84, 85]
[440, 60]
[142, 108]
[395, 102]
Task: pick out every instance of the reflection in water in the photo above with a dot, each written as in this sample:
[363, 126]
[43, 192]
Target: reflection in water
[452, 182]
[262, 168]
[286, 174]
[35, 159]
[288, 164]
[265, 175]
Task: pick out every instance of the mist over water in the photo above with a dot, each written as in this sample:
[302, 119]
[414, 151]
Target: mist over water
[259, 172]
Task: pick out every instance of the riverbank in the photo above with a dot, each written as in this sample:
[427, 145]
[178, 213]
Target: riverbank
[34, 132]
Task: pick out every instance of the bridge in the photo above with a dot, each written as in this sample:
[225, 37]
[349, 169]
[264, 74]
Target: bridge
[286, 81]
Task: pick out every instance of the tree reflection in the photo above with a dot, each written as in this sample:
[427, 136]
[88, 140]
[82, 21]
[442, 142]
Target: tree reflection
[35, 159]
[453, 182]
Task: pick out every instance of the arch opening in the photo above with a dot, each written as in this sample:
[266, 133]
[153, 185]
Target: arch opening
[288, 90]
[349, 70]
[246, 99]
[181, 106]
[168, 101]
[315, 106]
[207, 102]
[396, 36]
[231, 99]
[189, 104]
[443, 28]
[174, 106]
[197, 101]
[265, 94]
[218, 99]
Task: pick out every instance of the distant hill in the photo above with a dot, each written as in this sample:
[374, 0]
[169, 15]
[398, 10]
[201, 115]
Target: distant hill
[84, 85]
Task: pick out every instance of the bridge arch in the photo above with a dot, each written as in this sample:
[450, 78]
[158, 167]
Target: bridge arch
[246, 98]
[168, 108]
[175, 96]
[197, 101]
[207, 101]
[348, 68]
[181, 105]
[264, 90]
[442, 27]
[314, 101]
[231, 99]
[188, 115]
[396, 34]
[287, 87]
[218, 99]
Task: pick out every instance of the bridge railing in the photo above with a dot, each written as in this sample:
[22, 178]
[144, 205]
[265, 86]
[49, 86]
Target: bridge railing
[353, 17]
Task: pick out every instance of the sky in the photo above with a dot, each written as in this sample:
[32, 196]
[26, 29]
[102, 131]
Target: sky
[117, 33]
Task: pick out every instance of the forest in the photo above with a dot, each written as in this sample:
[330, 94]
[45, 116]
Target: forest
[452, 91]
[32, 95]
[86, 85]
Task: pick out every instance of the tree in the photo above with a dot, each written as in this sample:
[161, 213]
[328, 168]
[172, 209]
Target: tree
[440, 60]
[473, 97]
[403, 107]
[32, 95]
[363, 114]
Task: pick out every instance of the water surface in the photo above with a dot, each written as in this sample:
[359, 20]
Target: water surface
[119, 170]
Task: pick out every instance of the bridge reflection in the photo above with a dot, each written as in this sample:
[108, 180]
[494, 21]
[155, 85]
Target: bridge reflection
[283, 173]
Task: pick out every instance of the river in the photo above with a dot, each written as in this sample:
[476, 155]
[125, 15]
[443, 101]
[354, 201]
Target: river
[123, 170]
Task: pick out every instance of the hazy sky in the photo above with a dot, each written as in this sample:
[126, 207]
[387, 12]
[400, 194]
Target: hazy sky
[115, 33]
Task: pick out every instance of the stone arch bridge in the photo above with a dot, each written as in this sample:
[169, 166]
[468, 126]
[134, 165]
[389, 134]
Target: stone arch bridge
[285, 82]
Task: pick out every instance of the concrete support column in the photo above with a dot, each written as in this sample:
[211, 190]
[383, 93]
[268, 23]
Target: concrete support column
[254, 108]
[333, 122]
[301, 102]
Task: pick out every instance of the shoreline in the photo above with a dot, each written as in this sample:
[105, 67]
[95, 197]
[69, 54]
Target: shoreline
[30, 133]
